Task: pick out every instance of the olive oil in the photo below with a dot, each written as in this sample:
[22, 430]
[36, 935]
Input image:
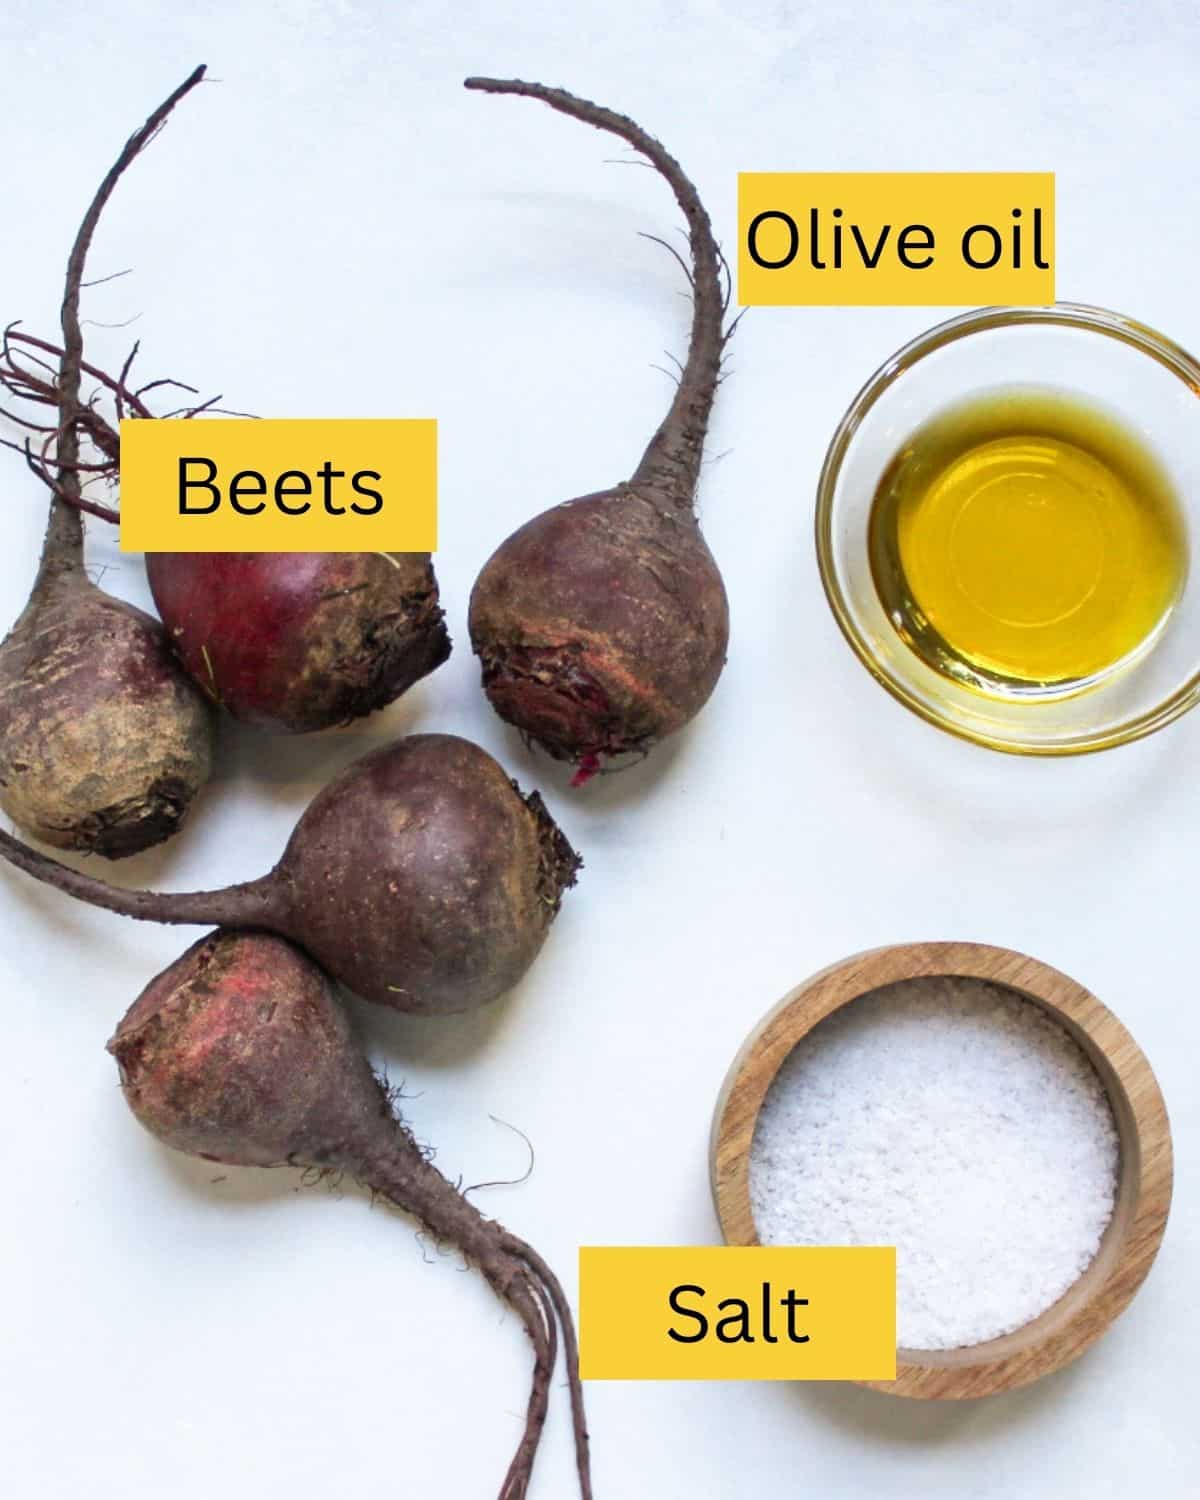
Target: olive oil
[1027, 543]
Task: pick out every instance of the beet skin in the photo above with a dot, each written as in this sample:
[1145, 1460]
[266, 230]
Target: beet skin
[423, 878]
[300, 641]
[104, 743]
[601, 625]
[238, 1053]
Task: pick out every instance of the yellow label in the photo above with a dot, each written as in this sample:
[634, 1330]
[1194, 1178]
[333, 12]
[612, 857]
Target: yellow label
[737, 1313]
[238, 485]
[877, 239]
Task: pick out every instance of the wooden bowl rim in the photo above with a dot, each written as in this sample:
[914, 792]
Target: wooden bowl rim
[1087, 1309]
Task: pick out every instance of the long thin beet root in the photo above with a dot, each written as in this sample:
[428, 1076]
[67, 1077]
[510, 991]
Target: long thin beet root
[300, 641]
[240, 1053]
[420, 877]
[602, 624]
[104, 742]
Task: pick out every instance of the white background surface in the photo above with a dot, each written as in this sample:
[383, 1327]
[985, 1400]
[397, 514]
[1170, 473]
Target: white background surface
[338, 229]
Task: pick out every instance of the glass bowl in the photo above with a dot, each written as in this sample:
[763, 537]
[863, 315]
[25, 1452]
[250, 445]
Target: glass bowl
[1088, 352]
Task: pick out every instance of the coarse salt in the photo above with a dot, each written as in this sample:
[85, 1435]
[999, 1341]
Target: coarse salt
[956, 1120]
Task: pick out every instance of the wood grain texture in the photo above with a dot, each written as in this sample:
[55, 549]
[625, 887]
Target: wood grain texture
[1130, 1243]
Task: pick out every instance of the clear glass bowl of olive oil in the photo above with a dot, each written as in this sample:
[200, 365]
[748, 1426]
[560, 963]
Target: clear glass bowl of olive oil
[1005, 526]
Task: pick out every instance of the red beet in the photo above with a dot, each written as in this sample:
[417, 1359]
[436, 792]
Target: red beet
[602, 625]
[420, 877]
[104, 742]
[300, 641]
[240, 1053]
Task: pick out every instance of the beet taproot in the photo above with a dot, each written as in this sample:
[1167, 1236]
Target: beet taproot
[602, 625]
[240, 1053]
[300, 641]
[104, 742]
[421, 878]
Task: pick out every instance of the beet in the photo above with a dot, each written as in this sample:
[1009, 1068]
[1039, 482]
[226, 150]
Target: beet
[301, 641]
[240, 1053]
[104, 742]
[601, 625]
[421, 878]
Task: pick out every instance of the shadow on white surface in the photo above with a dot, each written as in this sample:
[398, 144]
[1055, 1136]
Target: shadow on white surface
[46, 914]
[291, 768]
[230, 1186]
[996, 795]
[867, 1414]
[438, 1042]
[587, 246]
[232, 1189]
[617, 787]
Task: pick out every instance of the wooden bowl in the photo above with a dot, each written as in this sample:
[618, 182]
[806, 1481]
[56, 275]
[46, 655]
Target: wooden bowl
[1131, 1241]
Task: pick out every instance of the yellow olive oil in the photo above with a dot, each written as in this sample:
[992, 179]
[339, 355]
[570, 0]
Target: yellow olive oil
[1026, 542]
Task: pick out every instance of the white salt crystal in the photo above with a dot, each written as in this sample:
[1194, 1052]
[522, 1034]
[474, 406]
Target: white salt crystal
[957, 1121]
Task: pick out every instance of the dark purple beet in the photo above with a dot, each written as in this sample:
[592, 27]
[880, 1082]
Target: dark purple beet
[104, 742]
[420, 877]
[301, 641]
[602, 624]
[240, 1053]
